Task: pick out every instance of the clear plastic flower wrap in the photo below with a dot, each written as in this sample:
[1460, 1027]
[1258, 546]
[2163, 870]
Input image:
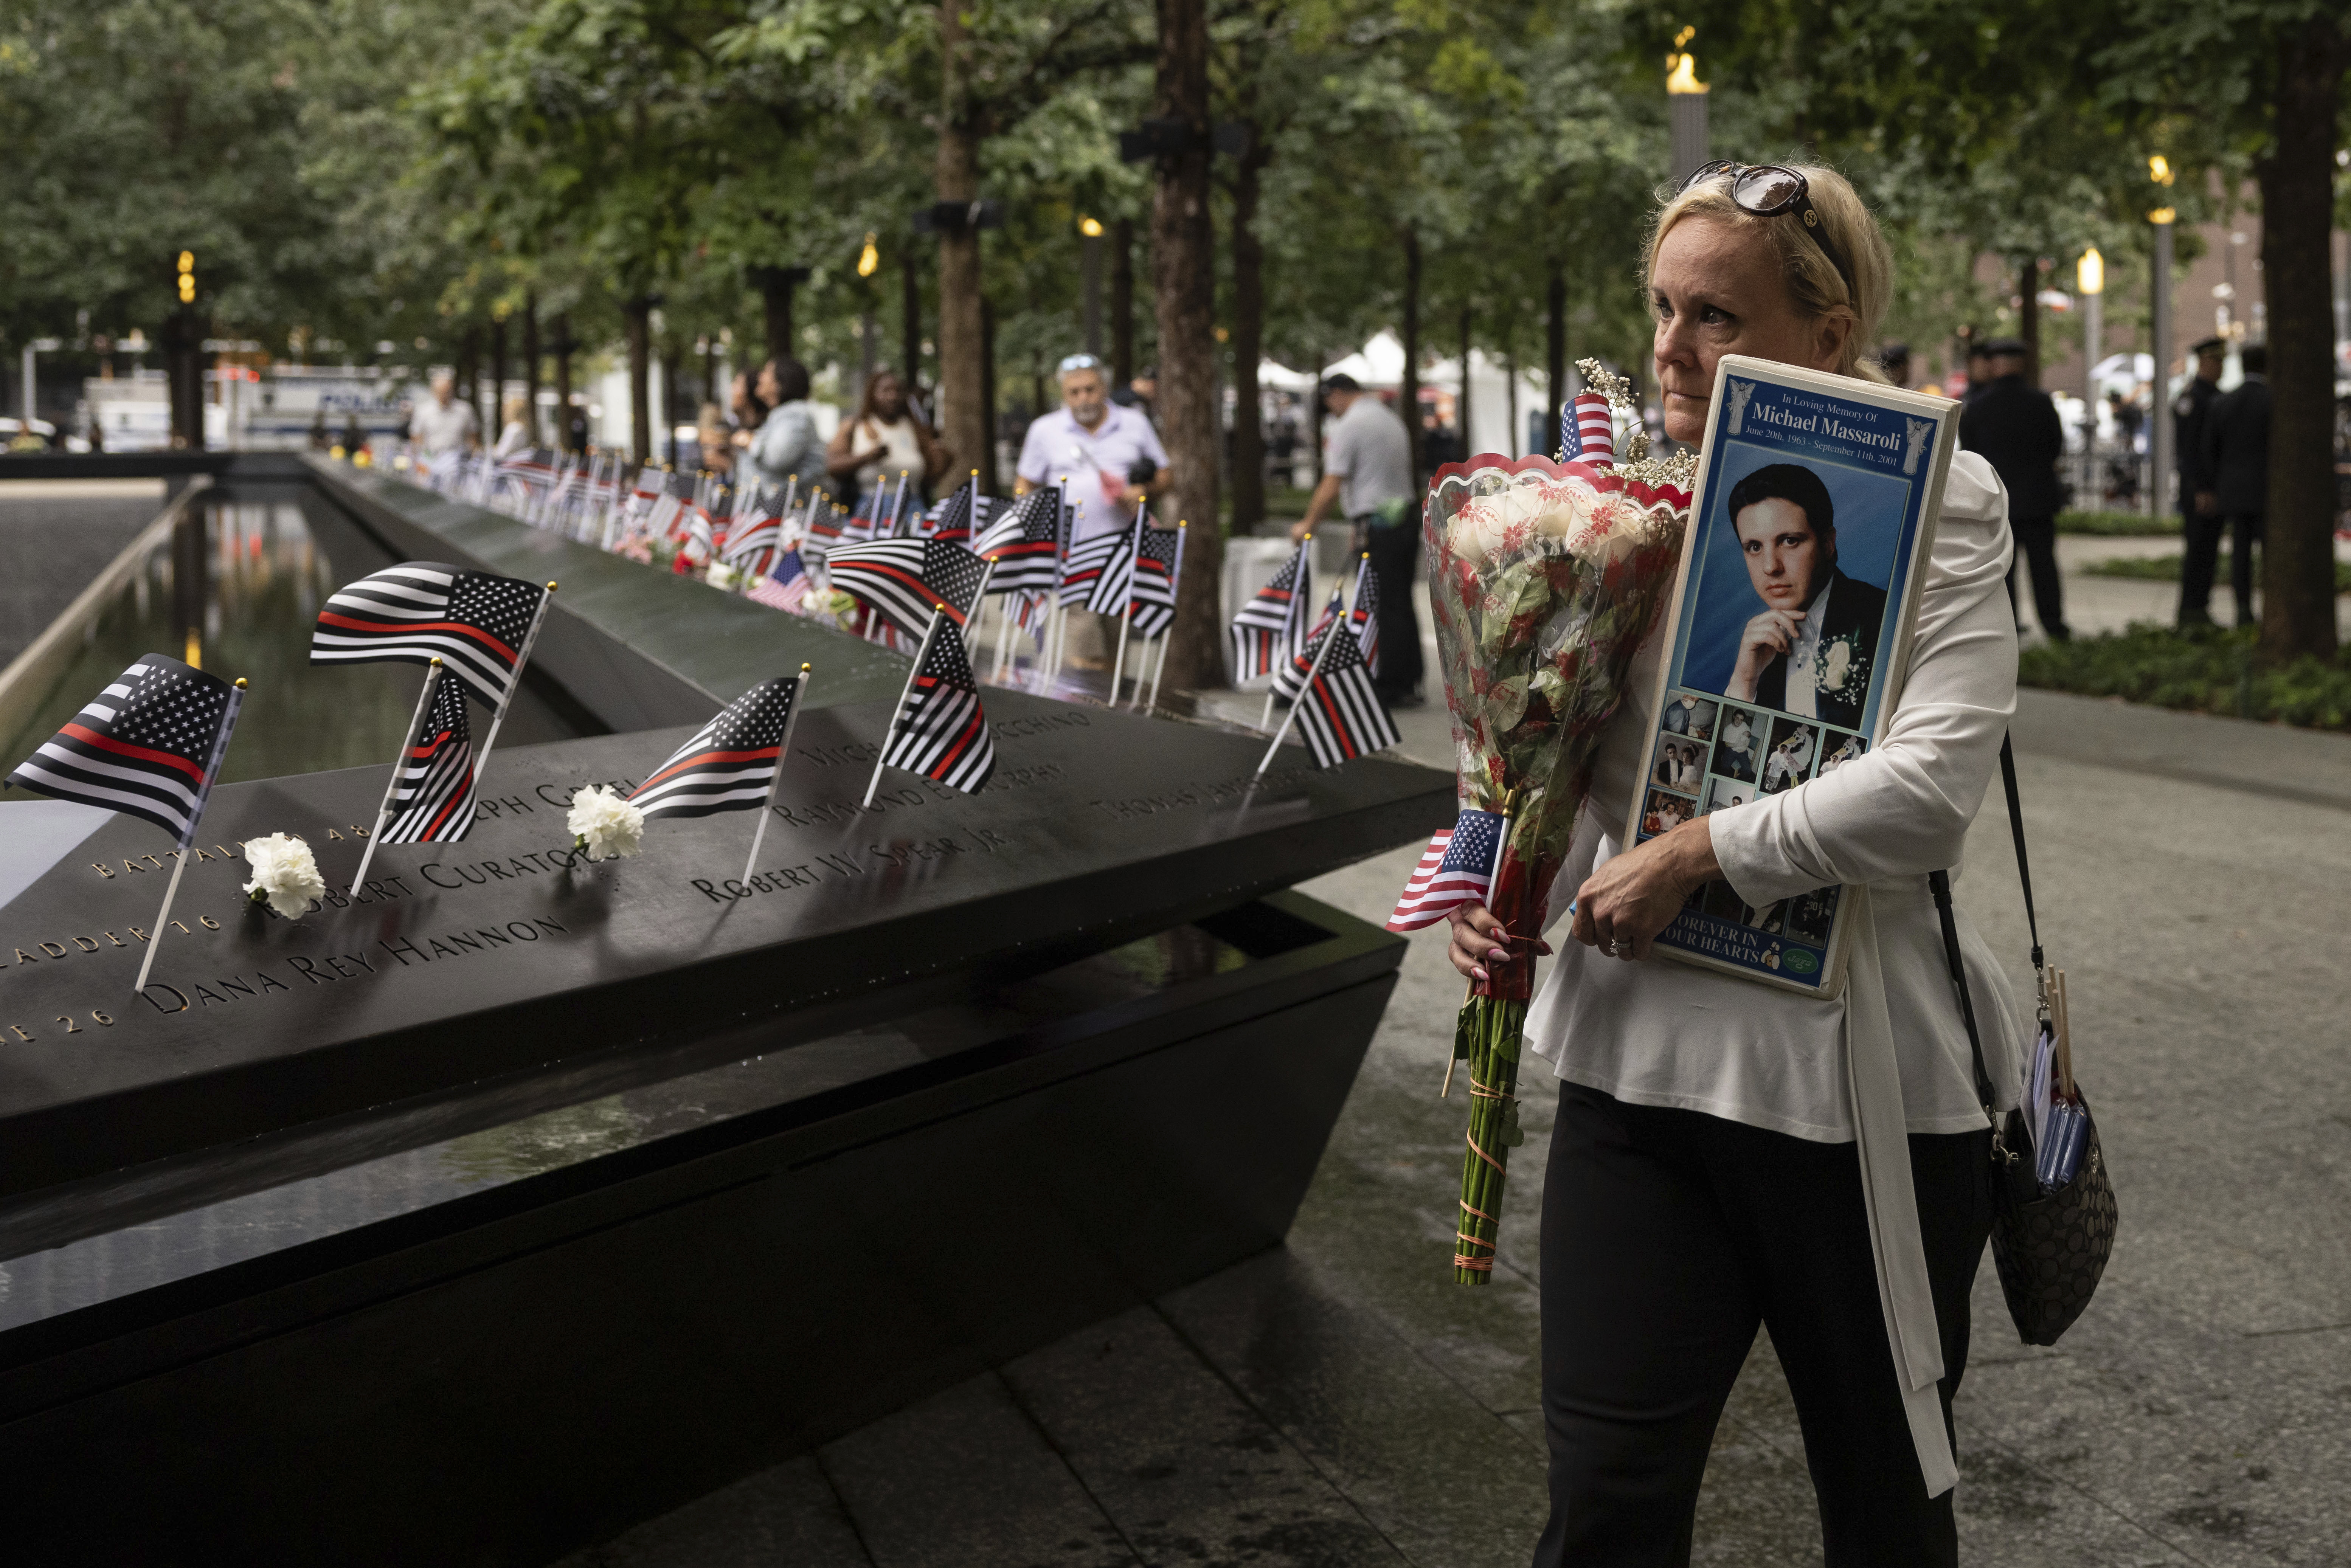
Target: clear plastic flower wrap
[1544, 579]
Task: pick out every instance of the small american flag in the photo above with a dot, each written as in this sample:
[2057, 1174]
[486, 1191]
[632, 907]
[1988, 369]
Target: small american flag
[432, 801]
[669, 508]
[1366, 620]
[959, 517]
[906, 579]
[1026, 543]
[1273, 624]
[731, 763]
[757, 528]
[942, 731]
[1088, 561]
[1290, 678]
[1150, 593]
[1456, 868]
[421, 610]
[785, 588]
[1586, 433]
[1338, 712]
[149, 745]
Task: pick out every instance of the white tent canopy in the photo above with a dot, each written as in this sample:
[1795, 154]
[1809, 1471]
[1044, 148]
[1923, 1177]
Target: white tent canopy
[1378, 366]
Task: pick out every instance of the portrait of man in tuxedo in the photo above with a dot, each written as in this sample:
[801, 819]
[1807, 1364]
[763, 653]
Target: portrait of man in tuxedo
[1813, 646]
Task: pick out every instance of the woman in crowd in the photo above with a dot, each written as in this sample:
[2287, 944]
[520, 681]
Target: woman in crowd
[786, 445]
[1707, 1175]
[514, 431]
[885, 439]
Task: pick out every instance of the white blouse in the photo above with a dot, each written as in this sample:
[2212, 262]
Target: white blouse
[1668, 1033]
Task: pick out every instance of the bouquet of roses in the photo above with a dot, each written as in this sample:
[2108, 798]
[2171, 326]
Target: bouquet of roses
[1545, 576]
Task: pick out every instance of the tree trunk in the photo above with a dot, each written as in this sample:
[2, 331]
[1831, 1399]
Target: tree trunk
[1408, 391]
[669, 405]
[1461, 414]
[1315, 416]
[493, 417]
[1122, 302]
[1183, 277]
[2297, 206]
[468, 368]
[775, 286]
[910, 321]
[531, 362]
[2028, 316]
[983, 455]
[639, 313]
[964, 412]
[1249, 346]
[563, 347]
[1555, 353]
[183, 377]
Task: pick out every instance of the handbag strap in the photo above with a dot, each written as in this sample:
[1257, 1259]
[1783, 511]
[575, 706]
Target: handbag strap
[2016, 831]
[1938, 883]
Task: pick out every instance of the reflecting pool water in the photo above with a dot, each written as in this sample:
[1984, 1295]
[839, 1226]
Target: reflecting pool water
[236, 592]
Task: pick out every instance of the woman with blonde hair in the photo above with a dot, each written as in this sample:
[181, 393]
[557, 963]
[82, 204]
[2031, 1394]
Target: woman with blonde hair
[1727, 1155]
[514, 431]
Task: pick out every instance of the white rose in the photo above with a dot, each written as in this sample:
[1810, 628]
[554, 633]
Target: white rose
[720, 575]
[1836, 666]
[285, 873]
[604, 824]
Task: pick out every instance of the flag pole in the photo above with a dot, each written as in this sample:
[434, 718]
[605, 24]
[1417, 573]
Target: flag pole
[481, 763]
[1176, 592]
[938, 613]
[783, 750]
[1304, 544]
[1126, 614]
[1341, 609]
[391, 785]
[180, 859]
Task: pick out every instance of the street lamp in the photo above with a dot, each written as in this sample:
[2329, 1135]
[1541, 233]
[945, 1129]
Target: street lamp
[2090, 282]
[1090, 256]
[2159, 172]
[1688, 98]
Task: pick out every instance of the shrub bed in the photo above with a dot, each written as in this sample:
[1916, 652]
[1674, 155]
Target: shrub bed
[2207, 670]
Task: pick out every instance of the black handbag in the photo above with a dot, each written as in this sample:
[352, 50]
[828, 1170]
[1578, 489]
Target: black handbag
[2050, 1247]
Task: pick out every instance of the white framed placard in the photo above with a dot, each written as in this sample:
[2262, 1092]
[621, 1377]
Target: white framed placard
[1811, 522]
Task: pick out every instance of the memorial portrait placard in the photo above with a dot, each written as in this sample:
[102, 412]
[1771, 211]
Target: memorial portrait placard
[1788, 631]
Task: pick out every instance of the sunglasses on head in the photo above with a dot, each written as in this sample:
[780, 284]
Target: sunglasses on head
[1078, 362]
[1769, 190]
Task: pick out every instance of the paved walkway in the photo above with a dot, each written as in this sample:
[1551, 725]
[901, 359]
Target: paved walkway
[1339, 1401]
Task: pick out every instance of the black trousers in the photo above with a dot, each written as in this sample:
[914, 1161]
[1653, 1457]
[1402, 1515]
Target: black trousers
[1668, 1235]
[2201, 563]
[1395, 552]
[2037, 538]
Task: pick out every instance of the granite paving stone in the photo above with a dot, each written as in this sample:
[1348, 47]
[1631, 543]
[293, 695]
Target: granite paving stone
[1174, 1455]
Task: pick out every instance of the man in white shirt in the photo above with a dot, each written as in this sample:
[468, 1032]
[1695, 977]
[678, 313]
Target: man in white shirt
[441, 424]
[1367, 470]
[1110, 456]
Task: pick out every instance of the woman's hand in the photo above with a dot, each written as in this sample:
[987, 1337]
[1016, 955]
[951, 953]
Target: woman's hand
[1622, 906]
[1480, 939]
[1766, 637]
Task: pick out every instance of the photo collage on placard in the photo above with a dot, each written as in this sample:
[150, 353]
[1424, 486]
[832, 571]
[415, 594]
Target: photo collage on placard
[1713, 754]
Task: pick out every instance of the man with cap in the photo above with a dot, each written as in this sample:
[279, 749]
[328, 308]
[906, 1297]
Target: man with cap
[2015, 426]
[1978, 369]
[2200, 513]
[1367, 470]
[2236, 447]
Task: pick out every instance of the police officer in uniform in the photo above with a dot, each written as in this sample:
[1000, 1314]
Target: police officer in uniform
[2200, 513]
[2015, 425]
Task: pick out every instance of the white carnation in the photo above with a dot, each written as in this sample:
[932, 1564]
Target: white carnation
[604, 824]
[285, 873]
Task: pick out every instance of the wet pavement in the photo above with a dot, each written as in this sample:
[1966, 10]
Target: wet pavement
[1340, 1401]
